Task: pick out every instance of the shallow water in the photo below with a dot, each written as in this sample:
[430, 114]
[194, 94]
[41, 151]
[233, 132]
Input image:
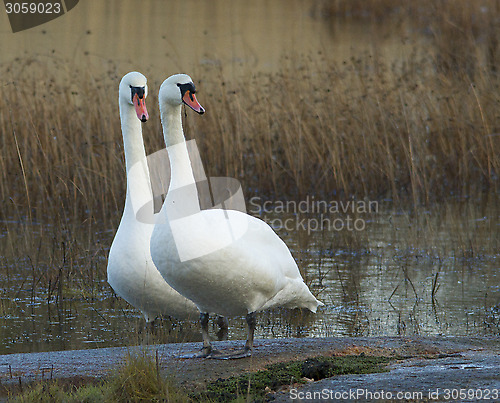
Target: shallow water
[376, 281]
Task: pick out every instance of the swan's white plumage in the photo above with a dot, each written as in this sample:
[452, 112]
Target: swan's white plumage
[253, 273]
[131, 271]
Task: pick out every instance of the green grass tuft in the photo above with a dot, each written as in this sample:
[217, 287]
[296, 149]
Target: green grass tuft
[60, 391]
[137, 380]
[276, 376]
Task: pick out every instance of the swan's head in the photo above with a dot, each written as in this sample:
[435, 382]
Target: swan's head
[179, 89]
[133, 91]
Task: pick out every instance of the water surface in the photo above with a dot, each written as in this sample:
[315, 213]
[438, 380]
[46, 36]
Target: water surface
[431, 272]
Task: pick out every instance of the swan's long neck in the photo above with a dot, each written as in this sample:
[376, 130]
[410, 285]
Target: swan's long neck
[180, 164]
[138, 182]
[182, 183]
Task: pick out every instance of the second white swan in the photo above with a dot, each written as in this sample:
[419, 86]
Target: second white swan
[131, 271]
[226, 262]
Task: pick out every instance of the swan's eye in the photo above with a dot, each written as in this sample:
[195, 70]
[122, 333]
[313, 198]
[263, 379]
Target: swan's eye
[140, 91]
[187, 87]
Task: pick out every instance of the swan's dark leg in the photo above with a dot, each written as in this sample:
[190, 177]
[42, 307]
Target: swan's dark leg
[147, 331]
[207, 346]
[207, 349]
[223, 324]
[251, 323]
[150, 326]
[247, 351]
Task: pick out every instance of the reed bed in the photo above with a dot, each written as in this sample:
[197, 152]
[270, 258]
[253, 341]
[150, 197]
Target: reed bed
[351, 132]
[343, 131]
[421, 128]
[366, 128]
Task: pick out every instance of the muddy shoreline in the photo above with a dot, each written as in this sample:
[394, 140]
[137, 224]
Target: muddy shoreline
[455, 357]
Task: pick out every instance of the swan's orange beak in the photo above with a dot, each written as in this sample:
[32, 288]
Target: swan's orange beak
[140, 108]
[190, 100]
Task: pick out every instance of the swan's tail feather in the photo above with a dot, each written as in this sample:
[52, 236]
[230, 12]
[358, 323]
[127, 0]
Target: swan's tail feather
[306, 299]
[294, 295]
[313, 305]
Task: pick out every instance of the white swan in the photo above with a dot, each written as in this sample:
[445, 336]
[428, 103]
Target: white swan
[131, 271]
[226, 262]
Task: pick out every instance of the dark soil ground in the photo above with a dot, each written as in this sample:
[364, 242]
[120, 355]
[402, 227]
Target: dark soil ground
[420, 364]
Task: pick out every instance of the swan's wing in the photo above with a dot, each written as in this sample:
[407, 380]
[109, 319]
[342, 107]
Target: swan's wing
[250, 241]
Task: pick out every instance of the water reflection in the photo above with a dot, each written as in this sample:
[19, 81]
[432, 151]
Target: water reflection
[431, 272]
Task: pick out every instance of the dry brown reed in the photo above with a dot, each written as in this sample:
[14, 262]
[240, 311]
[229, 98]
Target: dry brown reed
[365, 128]
[421, 129]
[406, 132]
[60, 154]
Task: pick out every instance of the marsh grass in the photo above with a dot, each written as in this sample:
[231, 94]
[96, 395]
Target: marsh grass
[137, 379]
[346, 131]
[140, 378]
[59, 392]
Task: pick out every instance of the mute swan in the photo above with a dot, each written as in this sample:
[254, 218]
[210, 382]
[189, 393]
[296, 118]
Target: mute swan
[225, 261]
[131, 271]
